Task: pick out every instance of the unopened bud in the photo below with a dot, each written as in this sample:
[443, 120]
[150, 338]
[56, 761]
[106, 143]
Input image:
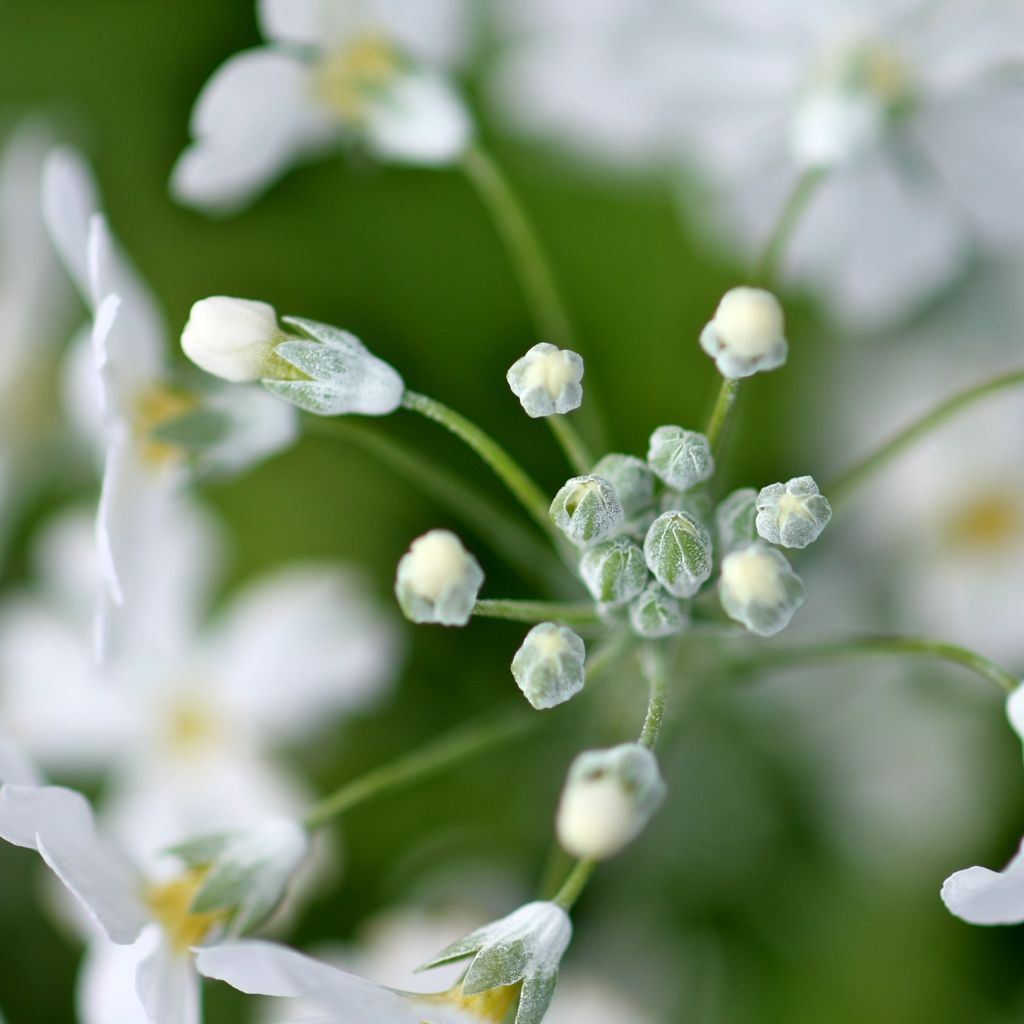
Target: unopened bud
[746, 334]
[231, 338]
[438, 580]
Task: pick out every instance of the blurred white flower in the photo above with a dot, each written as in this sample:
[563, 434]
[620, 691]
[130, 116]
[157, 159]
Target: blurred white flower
[759, 589]
[746, 334]
[186, 725]
[129, 379]
[33, 300]
[906, 105]
[333, 71]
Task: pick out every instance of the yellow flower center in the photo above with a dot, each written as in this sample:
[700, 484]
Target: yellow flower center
[493, 1005]
[872, 68]
[191, 725]
[170, 904]
[990, 523]
[156, 406]
[347, 80]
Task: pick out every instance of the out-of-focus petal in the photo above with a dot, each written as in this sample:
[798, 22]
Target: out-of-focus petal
[168, 986]
[105, 991]
[980, 896]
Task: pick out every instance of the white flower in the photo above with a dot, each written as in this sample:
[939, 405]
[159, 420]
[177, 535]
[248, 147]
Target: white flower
[264, 968]
[792, 514]
[333, 70]
[547, 380]
[759, 589]
[184, 726]
[438, 580]
[231, 338]
[980, 896]
[608, 798]
[130, 381]
[549, 665]
[746, 334]
[587, 510]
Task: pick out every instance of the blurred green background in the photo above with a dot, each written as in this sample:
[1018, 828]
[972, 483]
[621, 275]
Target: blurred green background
[742, 904]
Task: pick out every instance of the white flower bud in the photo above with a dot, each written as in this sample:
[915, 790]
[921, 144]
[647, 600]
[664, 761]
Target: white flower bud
[656, 613]
[632, 479]
[549, 665]
[759, 589]
[682, 458]
[547, 380]
[792, 514]
[746, 334]
[609, 797]
[340, 374]
[587, 510]
[614, 571]
[734, 519]
[438, 580]
[678, 551]
[231, 338]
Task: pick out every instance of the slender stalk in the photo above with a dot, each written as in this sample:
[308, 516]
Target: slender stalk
[463, 743]
[537, 611]
[720, 413]
[524, 248]
[519, 546]
[515, 478]
[574, 884]
[575, 448]
[888, 645]
[841, 487]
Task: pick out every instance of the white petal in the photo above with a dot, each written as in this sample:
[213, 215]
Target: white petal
[59, 824]
[15, 768]
[1015, 710]
[105, 990]
[420, 120]
[980, 896]
[316, 23]
[168, 986]
[264, 968]
[254, 117]
[436, 32]
[69, 200]
[302, 645]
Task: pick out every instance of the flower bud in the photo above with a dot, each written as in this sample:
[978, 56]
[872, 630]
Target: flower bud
[549, 665]
[547, 380]
[746, 334]
[341, 375]
[792, 514]
[608, 798]
[656, 613]
[587, 510]
[632, 479]
[734, 519]
[614, 571]
[759, 589]
[231, 338]
[438, 580]
[678, 551]
[682, 458]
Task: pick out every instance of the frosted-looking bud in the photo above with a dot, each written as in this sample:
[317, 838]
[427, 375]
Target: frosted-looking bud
[759, 589]
[547, 380]
[231, 338]
[746, 334]
[587, 510]
[656, 613]
[632, 479]
[678, 551]
[792, 514]
[614, 571]
[682, 458]
[438, 580]
[608, 798]
[734, 519]
[549, 665]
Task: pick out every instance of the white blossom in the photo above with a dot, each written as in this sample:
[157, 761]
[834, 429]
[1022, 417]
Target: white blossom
[792, 514]
[549, 665]
[746, 334]
[547, 380]
[759, 589]
[438, 580]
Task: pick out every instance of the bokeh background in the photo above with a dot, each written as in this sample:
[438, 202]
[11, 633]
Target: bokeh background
[793, 874]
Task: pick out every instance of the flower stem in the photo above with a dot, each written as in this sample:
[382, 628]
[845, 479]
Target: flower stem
[524, 248]
[841, 487]
[766, 269]
[518, 545]
[515, 478]
[575, 448]
[536, 611]
[449, 750]
[574, 884]
[881, 645]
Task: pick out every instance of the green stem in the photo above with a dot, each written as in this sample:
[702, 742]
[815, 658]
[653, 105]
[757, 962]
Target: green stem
[519, 546]
[461, 744]
[769, 263]
[575, 448]
[720, 413]
[524, 248]
[881, 645]
[841, 486]
[515, 478]
[537, 611]
[574, 884]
